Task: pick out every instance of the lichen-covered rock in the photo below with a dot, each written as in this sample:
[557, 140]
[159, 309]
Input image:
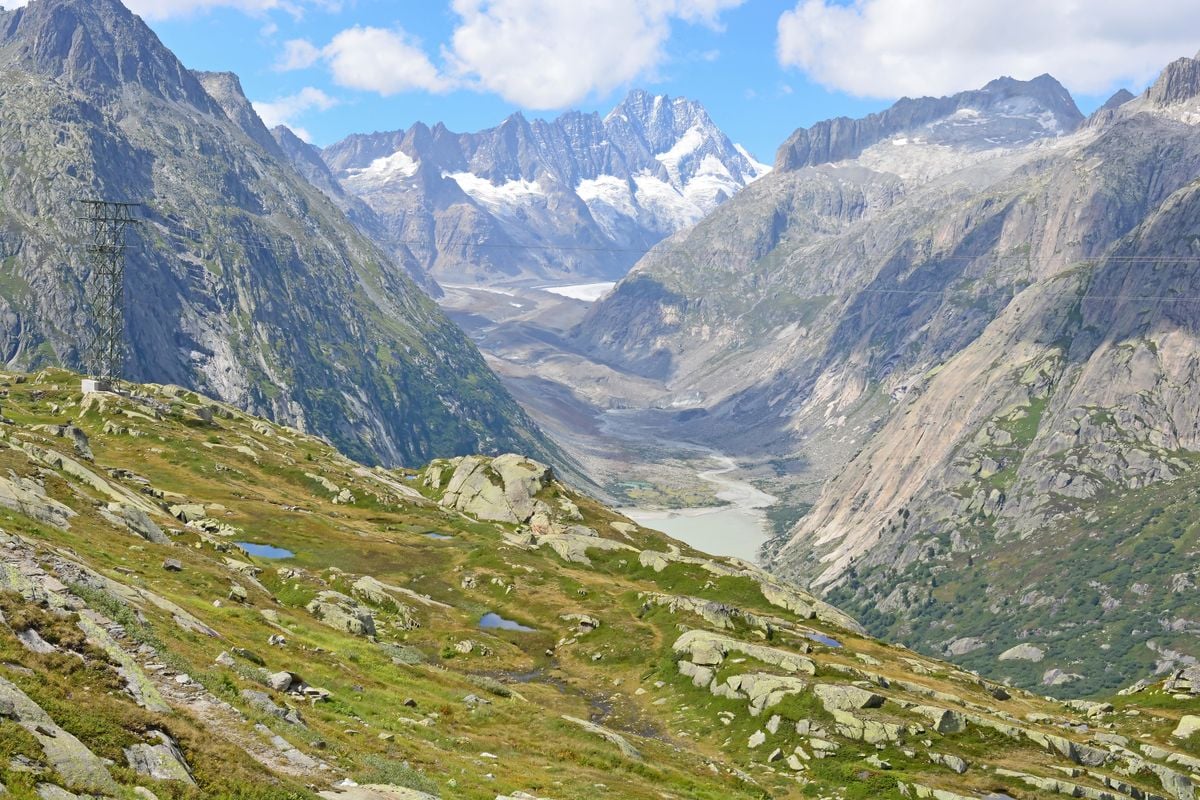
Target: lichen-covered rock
[1022, 652]
[137, 521]
[943, 720]
[377, 593]
[762, 690]
[28, 497]
[260, 701]
[344, 613]
[502, 489]
[708, 648]
[188, 512]
[163, 761]
[846, 698]
[1188, 725]
[69, 757]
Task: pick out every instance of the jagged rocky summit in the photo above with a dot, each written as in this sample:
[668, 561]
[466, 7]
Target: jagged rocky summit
[575, 197]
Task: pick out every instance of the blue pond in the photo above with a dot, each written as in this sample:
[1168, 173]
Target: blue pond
[493, 621]
[265, 550]
[823, 639]
[441, 537]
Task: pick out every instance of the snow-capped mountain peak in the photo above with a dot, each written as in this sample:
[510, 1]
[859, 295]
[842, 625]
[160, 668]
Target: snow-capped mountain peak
[621, 182]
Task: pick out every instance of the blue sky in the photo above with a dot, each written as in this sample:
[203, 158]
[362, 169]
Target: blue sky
[762, 67]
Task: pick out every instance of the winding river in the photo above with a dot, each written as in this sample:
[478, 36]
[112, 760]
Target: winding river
[737, 529]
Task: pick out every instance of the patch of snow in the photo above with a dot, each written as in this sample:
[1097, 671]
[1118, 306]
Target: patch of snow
[502, 198]
[688, 144]
[609, 199]
[471, 288]
[666, 205]
[711, 185]
[758, 167]
[587, 292]
[398, 165]
[609, 191]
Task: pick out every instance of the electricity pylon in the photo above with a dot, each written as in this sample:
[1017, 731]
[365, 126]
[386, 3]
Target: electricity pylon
[107, 223]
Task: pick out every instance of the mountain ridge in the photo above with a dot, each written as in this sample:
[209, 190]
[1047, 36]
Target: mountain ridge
[863, 320]
[579, 194]
[245, 280]
[845, 138]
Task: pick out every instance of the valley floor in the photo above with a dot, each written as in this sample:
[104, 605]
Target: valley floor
[623, 429]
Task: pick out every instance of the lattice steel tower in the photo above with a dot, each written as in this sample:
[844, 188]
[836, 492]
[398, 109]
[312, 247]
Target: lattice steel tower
[107, 223]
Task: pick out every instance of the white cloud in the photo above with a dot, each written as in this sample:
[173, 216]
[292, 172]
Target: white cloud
[549, 54]
[383, 61]
[286, 110]
[167, 9]
[297, 54]
[889, 48]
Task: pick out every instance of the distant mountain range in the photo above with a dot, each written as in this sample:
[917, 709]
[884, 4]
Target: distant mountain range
[971, 325]
[576, 198]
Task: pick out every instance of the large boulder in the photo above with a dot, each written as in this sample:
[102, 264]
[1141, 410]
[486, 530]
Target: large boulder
[1188, 725]
[501, 489]
[709, 649]
[136, 520]
[162, 762]
[344, 613]
[846, 698]
[68, 756]
[1023, 652]
[382, 595]
[28, 497]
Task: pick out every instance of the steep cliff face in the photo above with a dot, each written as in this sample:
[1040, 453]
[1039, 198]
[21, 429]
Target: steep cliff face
[577, 197]
[243, 280]
[982, 350]
[1006, 112]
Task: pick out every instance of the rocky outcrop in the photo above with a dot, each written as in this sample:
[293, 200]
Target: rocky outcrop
[708, 649]
[1022, 652]
[503, 489]
[378, 593]
[29, 498]
[77, 765]
[1178, 83]
[1017, 111]
[841, 697]
[343, 613]
[163, 761]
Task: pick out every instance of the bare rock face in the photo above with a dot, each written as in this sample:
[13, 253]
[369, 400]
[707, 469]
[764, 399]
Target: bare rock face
[1179, 82]
[1008, 111]
[70, 757]
[1023, 652]
[502, 489]
[163, 761]
[29, 498]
